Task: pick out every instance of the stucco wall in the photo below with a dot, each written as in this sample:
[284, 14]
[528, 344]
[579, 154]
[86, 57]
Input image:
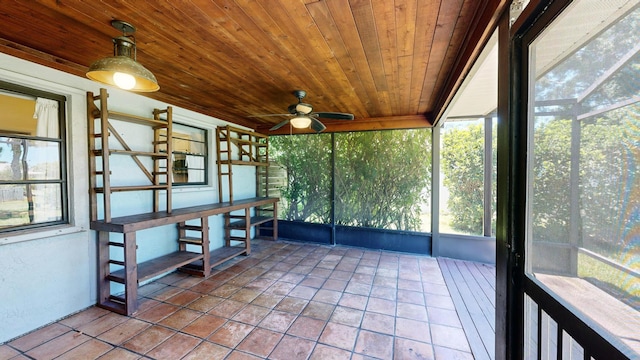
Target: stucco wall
[46, 275]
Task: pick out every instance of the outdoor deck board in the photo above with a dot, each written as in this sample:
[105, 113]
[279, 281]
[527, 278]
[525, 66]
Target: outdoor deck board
[472, 289]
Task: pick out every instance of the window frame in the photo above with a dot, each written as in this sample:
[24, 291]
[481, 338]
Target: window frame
[61, 140]
[205, 154]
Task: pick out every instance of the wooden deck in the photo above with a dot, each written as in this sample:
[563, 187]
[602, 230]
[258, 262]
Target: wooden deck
[473, 290]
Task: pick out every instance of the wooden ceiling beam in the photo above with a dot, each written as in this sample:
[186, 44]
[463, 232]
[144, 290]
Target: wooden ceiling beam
[363, 124]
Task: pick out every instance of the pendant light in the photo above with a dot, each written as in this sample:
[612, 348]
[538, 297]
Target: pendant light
[122, 69]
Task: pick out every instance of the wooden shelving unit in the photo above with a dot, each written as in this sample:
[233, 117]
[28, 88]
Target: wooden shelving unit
[192, 222]
[238, 147]
[101, 128]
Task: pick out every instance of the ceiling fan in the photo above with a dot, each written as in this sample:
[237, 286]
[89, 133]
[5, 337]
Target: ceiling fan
[303, 116]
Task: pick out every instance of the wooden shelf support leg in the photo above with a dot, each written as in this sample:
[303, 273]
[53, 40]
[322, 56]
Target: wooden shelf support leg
[131, 273]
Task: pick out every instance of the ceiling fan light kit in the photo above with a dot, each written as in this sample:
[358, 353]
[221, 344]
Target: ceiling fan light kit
[302, 115]
[122, 69]
[300, 122]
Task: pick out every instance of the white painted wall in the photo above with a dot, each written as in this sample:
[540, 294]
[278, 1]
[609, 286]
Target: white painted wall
[46, 275]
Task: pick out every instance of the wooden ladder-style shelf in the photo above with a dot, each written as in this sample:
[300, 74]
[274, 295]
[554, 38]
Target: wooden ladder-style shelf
[100, 152]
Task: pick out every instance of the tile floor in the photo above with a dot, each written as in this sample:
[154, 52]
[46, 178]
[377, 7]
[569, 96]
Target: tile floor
[286, 301]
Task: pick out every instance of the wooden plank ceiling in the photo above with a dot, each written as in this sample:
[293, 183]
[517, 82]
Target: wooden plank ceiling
[390, 63]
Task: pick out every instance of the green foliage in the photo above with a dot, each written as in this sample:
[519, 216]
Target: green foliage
[551, 180]
[307, 161]
[463, 170]
[382, 178]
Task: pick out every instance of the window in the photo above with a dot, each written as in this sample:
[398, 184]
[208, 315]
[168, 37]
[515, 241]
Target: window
[32, 159]
[189, 155]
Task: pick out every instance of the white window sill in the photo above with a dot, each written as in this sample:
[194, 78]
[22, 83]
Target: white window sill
[41, 233]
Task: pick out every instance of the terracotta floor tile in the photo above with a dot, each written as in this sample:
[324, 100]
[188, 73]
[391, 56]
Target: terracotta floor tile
[409, 350]
[227, 309]
[150, 288]
[91, 349]
[166, 293]
[119, 354]
[148, 339]
[346, 267]
[205, 287]
[245, 295]
[260, 284]
[180, 318]
[373, 344]
[436, 289]
[7, 352]
[204, 326]
[341, 275]
[446, 353]
[385, 281]
[280, 288]
[175, 347]
[354, 301]
[239, 355]
[320, 273]
[293, 277]
[450, 337]
[384, 293]
[314, 282]
[307, 328]
[339, 335]
[231, 334]
[157, 313]
[328, 265]
[443, 317]
[240, 280]
[381, 306]
[411, 285]
[145, 304]
[278, 321]
[358, 288]
[224, 291]
[303, 292]
[333, 284]
[412, 297]
[184, 297]
[124, 331]
[102, 324]
[324, 352]
[251, 314]
[84, 317]
[40, 336]
[362, 278]
[440, 301]
[205, 303]
[291, 305]
[413, 329]
[292, 348]
[327, 296]
[207, 350]
[260, 342]
[318, 310]
[284, 267]
[58, 346]
[347, 316]
[267, 300]
[381, 323]
[412, 311]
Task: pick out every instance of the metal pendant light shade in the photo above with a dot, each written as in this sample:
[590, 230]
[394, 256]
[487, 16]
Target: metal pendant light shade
[122, 69]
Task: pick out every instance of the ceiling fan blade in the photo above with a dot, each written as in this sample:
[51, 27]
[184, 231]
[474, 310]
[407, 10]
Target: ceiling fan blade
[279, 125]
[317, 125]
[334, 115]
[267, 115]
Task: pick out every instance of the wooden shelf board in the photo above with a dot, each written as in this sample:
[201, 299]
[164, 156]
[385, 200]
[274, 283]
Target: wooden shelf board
[126, 224]
[114, 115]
[162, 264]
[255, 220]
